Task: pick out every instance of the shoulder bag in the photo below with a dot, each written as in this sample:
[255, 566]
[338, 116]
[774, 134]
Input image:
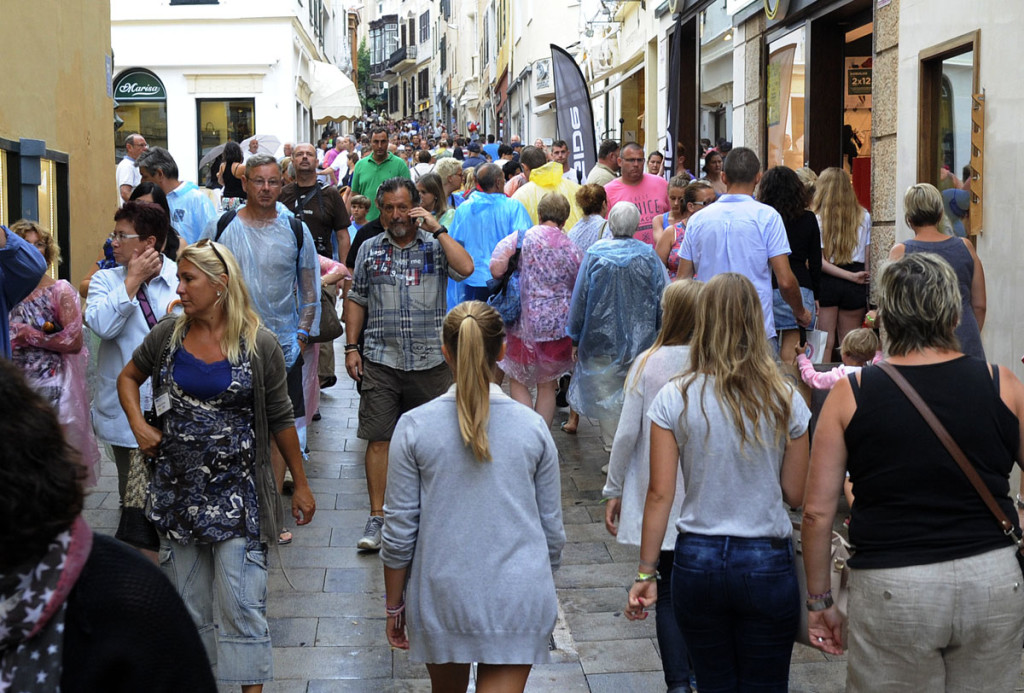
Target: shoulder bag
[504, 293]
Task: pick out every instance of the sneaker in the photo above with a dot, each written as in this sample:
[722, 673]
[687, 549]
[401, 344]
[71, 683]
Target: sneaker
[371, 534]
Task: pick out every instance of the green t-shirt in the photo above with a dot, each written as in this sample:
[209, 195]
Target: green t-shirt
[368, 176]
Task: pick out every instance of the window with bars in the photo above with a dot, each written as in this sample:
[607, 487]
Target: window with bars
[412, 30]
[443, 50]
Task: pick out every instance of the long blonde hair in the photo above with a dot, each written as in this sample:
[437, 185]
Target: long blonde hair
[729, 344]
[835, 202]
[678, 315]
[473, 334]
[242, 322]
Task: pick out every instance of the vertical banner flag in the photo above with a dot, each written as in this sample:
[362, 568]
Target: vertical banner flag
[575, 113]
[674, 74]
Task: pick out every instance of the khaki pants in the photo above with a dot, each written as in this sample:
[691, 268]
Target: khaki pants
[951, 626]
[326, 369]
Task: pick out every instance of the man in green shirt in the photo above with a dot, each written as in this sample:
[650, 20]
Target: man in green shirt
[373, 170]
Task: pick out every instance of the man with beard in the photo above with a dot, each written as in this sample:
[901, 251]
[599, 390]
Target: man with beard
[325, 214]
[283, 276]
[401, 277]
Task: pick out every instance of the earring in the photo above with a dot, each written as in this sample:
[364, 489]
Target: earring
[218, 293]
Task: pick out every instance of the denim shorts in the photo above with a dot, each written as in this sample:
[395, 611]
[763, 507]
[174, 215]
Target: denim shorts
[784, 319]
[239, 646]
[738, 604]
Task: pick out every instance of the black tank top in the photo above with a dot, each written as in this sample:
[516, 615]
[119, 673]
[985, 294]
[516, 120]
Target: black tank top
[232, 185]
[912, 503]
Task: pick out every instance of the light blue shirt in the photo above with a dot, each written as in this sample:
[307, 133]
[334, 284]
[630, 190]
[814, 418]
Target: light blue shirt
[191, 211]
[479, 224]
[737, 234]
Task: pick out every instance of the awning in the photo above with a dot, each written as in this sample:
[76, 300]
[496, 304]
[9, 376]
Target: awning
[334, 95]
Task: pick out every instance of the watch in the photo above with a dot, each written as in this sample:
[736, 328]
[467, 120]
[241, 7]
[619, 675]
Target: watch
[438, 233]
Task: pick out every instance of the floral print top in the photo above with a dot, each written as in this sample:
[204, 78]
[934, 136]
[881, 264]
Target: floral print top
[44, 327]
[547, 274]
[673, 255]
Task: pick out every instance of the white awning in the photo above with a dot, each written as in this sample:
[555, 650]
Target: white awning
[334, 95]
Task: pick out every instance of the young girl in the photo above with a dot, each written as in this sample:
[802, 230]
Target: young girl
[859, 349]
[629, 467]
[476, 585]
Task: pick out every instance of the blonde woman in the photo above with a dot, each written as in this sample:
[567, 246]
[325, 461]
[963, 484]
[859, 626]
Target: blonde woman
[739, 431]
[629, 467]
[451, 598]
[846, 254]
[220, 394]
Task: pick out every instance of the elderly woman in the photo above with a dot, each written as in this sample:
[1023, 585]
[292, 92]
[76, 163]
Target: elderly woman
[593, 203]
[220, 395]
[46, 343]
[81, 611]
[935, 588]
[923, 206]
[615, 315]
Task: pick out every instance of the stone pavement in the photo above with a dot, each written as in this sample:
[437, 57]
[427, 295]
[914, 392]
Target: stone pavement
[328, 632]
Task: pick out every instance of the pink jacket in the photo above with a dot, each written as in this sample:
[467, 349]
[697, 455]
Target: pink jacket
[828, 379]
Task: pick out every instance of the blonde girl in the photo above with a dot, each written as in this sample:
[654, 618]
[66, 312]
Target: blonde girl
[473, 480]
[846, 253]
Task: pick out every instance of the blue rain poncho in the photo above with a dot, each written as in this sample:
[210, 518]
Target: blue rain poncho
[615, 315]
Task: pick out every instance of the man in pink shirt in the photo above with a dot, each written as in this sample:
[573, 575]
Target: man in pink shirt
[649, 193]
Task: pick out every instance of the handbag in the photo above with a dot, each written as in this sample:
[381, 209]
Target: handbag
[134, 526]
[956, 453]
[330, 325]
[505, 293]
[839, 578]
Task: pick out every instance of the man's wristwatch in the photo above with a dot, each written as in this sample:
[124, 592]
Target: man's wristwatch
[437, 234]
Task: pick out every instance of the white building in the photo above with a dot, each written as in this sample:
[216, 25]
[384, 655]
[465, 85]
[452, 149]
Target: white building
[192, 74]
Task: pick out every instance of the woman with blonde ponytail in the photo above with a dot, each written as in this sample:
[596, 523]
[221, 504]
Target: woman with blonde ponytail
[473, 492]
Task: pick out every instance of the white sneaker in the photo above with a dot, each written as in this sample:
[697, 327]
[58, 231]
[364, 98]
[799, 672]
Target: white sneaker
[371, 534]
[604, 469]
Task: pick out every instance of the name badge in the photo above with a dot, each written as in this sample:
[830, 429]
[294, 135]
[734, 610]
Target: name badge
[162, 401]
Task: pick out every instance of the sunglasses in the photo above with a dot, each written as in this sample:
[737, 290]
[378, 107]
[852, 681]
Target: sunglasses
[207, 243]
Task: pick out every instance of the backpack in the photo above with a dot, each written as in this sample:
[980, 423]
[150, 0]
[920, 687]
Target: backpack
[227, 217]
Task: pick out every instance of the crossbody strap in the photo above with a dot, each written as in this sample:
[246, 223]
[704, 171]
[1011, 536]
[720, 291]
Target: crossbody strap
[951, 447]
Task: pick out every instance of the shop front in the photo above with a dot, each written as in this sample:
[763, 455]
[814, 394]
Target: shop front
[142, 107]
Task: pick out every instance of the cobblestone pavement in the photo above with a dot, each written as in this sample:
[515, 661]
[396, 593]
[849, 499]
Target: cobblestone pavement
[328, 632]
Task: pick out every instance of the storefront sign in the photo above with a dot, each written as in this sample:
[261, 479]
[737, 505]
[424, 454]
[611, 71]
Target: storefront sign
[858, 81]
[139, 85]
[775, 9]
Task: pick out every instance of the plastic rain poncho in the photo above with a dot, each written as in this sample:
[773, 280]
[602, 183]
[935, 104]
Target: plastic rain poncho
[548, 178]
[615, 315]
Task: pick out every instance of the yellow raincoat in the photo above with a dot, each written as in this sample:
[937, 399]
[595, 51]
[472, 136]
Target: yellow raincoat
[548, 178]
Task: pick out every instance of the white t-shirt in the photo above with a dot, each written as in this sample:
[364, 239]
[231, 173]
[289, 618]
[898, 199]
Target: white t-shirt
[863, 238]
[737, 234]
[731, 490]
[128, 173]
[420, 170]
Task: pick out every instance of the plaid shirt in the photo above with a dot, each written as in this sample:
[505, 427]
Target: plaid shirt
[403, 292]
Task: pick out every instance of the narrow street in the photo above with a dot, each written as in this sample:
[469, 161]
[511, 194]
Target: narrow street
[328, 631]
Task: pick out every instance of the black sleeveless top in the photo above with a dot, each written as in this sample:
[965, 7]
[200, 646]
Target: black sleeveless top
[912, 503]
[232, 185]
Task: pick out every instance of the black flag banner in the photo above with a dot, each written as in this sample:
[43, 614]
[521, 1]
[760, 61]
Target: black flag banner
[575, 113]
[672, 125]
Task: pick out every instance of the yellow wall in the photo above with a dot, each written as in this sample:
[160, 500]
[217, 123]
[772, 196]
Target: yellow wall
[54, 89]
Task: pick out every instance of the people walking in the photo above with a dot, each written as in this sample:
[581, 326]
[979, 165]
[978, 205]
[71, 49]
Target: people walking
[738, 430]
[474, 449]
[213, 498]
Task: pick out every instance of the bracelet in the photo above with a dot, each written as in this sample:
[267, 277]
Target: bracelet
[437, 234]
[647, 577]
[351, 347]
[395, 610]
[819, 604]
[303, 331]
[823, 595]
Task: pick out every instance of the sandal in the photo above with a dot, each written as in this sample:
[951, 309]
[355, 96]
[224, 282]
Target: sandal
[285, 538]
[565, 428]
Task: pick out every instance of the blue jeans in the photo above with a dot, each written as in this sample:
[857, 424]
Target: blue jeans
[675, 658]
[738, 605]
[239, 647]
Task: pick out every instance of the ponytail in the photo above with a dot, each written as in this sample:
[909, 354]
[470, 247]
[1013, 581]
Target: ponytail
[473, 335]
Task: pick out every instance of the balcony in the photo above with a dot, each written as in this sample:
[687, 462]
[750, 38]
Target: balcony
[403, 58]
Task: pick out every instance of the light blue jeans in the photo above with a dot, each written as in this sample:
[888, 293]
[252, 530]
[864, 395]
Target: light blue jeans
[239, 646]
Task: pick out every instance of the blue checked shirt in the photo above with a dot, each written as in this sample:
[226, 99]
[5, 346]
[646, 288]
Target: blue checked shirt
[403, 292]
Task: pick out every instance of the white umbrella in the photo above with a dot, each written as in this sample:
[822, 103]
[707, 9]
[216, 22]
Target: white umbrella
[268, 144]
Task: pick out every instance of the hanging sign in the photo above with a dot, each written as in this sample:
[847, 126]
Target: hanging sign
[139, 85]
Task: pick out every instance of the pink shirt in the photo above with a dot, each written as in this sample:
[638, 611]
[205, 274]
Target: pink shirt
[650, 196]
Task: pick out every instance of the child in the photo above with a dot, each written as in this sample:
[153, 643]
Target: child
[359, 207]
[859, 349]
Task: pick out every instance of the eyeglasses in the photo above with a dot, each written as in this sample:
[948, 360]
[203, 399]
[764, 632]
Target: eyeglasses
[118, 237]
[265, 183]
[207, 243]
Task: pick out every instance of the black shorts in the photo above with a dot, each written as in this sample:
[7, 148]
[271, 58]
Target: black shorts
[294, 378]
[839, 293]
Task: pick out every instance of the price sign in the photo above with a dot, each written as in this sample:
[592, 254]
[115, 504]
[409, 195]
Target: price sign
[858, 81]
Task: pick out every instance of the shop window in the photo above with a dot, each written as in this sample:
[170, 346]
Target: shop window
[785, 102]
[949, 152]
[51, 196]
[219, 121]
[716, 45]
[142, 105]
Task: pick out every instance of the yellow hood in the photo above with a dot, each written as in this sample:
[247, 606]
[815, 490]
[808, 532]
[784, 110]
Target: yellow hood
[547, 176]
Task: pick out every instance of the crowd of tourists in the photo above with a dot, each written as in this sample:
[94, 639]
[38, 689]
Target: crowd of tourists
[663, 307]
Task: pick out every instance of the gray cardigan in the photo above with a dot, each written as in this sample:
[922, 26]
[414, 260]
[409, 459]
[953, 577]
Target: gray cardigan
[273, 409]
